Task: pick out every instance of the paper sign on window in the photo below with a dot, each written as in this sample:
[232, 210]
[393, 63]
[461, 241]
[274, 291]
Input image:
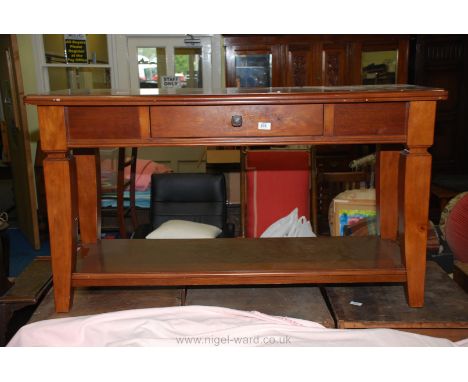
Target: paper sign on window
[75, 49]
[171, 82]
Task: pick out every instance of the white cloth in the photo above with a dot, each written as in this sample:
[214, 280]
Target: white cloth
[290, 225]
[205, 326]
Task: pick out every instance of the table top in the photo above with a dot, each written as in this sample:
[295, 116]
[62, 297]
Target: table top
[232, 95]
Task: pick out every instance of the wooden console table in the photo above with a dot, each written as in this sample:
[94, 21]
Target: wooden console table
[72, 125]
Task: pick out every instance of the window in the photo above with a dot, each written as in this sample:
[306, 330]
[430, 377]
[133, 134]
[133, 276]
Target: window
[170, 61]
[75, 62]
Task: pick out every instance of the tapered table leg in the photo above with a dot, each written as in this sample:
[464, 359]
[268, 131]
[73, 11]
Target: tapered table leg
[61, 207]
[387, 193]
[88, 185]
[415, 169]
[413, 200]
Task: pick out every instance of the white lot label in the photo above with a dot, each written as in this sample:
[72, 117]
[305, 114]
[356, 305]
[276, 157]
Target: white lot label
[264, 126]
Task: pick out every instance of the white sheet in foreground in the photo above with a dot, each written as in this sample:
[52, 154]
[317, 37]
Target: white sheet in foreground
[205, 326]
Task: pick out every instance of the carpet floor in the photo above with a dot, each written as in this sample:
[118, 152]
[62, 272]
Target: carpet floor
[21, 252]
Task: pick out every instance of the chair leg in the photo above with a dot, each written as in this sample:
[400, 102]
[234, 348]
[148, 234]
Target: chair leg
[183, 296]
[120, 192]
[132, 189]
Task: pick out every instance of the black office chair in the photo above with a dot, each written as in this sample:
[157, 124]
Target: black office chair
[196, 197]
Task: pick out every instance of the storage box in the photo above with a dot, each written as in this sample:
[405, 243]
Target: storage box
[222, 156]
[349, 208]
[233, 187]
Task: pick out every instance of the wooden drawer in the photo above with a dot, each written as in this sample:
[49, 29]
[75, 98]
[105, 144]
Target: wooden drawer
[215, 121]
[378, 119]
[107, 122]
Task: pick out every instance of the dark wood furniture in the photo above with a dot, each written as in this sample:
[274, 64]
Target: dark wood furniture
[442, 61]
[443, 195]
[319, 116]
[445, 313]
[28, 290]
[310, 60]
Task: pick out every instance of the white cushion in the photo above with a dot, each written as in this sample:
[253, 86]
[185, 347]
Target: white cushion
[182, 229]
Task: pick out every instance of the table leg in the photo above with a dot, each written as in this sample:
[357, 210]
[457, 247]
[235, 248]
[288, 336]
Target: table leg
[415, 174]
[88, 185]
[59, 175]
[387, 193]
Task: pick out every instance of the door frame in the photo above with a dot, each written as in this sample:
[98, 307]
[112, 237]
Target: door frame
[120, 56]
[23, 177]
[170, 43]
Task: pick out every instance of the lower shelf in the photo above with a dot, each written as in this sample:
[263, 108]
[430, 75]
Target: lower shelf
[239, 262]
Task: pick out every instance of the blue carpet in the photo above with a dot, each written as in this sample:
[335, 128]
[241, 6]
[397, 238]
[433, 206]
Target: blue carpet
[21, 252]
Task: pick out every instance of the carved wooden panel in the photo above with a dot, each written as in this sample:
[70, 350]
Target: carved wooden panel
[299, 65]
[333, 66]
[299, 69]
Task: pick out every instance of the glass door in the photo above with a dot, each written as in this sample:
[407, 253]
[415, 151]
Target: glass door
[189, 67]
[253, 70]
[253, 66]
[169, 62]
[379, 66]
[151, 66]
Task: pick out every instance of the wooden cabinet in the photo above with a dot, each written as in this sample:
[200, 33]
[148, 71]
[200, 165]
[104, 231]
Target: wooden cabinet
[319, 60]
[442, 60]
[256, 63]
[334, 64]
[299, 65]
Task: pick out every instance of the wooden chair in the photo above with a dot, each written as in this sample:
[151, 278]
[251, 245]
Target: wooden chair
[116, 192]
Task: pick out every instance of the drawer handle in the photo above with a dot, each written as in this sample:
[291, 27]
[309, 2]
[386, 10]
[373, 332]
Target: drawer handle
[236, 120]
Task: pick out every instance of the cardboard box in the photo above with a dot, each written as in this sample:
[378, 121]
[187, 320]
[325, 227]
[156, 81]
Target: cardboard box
[222, 156]
[350, 207]
[233, 187]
